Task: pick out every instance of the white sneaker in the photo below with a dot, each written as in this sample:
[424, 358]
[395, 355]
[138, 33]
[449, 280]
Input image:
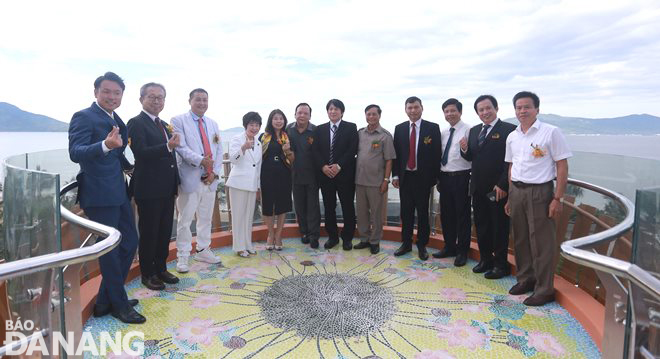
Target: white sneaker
[207, 256]
[182, 265]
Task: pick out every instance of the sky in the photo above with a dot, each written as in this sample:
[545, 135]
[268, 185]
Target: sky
[584, 58]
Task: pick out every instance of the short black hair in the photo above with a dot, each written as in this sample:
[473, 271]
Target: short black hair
[413, 99]
[492, 99]
[143, 89]
[527, 94]
[337, 103]
[110, 76]
[269, 124]
[304, 104]
[193, 92]
[251, 117]
[455, 102]
[373, 106]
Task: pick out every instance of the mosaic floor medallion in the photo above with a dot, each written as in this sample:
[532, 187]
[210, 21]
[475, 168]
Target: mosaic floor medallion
[305, 303]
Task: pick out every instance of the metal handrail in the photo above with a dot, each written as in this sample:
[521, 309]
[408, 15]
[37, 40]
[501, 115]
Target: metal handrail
[574, 251]
[72, 256]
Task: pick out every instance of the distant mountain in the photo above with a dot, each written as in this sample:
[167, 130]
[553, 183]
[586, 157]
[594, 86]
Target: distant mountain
[13, 119]
[627, 125]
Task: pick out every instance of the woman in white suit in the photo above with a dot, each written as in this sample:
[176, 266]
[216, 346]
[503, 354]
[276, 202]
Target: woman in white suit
[243, 183]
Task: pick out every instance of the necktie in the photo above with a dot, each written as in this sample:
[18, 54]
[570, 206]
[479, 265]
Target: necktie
[445, 155]
[482, 135]
[412, 156]
[332, 143]
[159, 123]
[205, 143]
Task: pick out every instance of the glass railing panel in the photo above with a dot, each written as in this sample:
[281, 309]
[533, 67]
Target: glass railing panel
[644, 327]
[31, 221]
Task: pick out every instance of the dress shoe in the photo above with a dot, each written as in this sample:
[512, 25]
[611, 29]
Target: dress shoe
[538, 300]
[129, 316]
[444, 253]
[347, 245]
[168, 277]
[374, 248]
[423, 254]
[460, 260]
[361, 245]
[304, 240]
[105, 309]
[314, 243]
[402, 250]
[331, 243]
[153, 282]
[482, 266]
[497, 273]
[522, 288]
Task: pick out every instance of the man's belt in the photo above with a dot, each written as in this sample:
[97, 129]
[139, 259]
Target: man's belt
[455, 173]
[519, 184]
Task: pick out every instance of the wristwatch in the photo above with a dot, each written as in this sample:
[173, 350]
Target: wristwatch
[386, 180]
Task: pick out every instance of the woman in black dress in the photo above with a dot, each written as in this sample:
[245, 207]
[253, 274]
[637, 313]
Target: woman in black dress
[275, 177]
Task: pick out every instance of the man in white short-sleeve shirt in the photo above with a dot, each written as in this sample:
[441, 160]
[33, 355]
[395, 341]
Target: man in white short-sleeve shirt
[537, 154]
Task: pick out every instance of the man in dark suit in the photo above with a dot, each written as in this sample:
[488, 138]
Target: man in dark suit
[334, 148]
[154, 185]
[97, 139]
[485, 147]
[415, 171]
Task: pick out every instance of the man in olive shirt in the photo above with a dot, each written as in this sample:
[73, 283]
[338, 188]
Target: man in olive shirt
[372, 177]
[305, 185]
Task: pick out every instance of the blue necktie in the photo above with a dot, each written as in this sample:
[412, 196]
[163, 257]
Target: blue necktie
[445, 154]
[482, 135]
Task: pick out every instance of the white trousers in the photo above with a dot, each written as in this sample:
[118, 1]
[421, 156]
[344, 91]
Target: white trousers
[201, 203]
[242, 213]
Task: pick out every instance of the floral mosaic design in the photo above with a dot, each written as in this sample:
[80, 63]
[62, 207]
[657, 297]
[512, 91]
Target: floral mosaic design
[305, 303]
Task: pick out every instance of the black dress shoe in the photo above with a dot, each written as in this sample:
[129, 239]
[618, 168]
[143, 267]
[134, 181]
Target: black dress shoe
[538, 300]
[374, 248]
[304, 240]
[522, 288]
[314, 243]
[129, 316]
[168, 277]
[444, 253]
[153, 283]
[105, 309]
[460, 260]
[402, 250]
[347, 245]
[331, 243]
[497, 273]
[482, 266]
[423, 254]
[362, 245]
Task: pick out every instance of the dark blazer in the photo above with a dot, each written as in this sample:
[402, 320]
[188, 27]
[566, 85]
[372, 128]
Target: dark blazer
[488, 166]
[156, 174]
[345, 150]
[101, 180]
[429, 151]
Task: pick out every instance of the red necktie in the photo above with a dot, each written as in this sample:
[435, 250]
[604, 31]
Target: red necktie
[205, 143]
[411, 154]
[159, 123]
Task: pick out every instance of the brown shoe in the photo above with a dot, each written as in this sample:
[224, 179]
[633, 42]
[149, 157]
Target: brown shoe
[522, 288]
[538, 300]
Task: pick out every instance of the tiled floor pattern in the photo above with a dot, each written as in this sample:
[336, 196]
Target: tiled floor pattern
[304, 303]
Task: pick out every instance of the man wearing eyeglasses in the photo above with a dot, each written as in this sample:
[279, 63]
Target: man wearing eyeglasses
[154, 185]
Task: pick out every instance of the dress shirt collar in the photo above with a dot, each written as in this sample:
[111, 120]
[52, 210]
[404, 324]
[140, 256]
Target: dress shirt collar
[336, 123]
[417, 123]
[112, 115]
[536, 125]
[152, 117]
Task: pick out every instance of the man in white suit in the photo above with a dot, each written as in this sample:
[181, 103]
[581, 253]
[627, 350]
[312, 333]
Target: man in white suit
[199, 160]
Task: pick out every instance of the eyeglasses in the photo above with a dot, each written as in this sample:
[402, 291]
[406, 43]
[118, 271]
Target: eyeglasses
[156, 98]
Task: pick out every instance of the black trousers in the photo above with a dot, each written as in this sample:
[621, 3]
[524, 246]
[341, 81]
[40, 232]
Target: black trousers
[492, 229]
[414, 196]
[330, 189]
[155, 228]
[308, 211]
[455, 210]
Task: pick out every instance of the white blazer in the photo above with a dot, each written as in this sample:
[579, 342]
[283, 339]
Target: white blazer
[191, 151]
[245, 167]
